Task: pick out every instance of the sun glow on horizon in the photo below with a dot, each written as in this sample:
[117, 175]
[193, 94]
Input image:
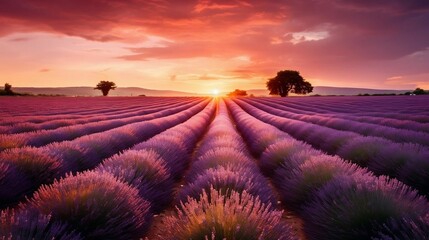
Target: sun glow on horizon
[215, 92]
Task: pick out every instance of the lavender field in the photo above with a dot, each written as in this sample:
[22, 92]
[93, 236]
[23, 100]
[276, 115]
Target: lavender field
[214, 168]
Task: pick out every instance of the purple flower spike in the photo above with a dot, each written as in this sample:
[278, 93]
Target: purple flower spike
[216, 216]
[96, 204]
[29, 224]
[146, 171]
[224, 180]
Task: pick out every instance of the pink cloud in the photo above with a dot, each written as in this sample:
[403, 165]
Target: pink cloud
[343, 40]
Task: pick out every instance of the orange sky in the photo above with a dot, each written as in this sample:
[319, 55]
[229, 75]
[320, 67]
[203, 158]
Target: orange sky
[198, 46]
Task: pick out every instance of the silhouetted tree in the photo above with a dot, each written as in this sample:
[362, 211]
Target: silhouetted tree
[7, 91]
[237, 92]
[288, 81]
[419, 91]
[105, 87]
[8, 88]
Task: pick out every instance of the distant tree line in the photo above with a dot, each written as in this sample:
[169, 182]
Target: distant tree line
[237, 93]
[7, 91]
[418, 91]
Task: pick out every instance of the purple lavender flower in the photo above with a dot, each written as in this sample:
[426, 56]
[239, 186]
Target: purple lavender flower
[239, 215]
[25, 224]
[226, 180]
[72, 156]
[362, 150]
[355, 207]
[218, 157]
[176, 158]
[146, 171]
[96, 204]
[298, 186]
[23, 171]
[286, 152]
[404, 229]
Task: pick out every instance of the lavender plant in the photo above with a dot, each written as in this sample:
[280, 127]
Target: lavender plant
[216, 216]
[96, 204]
[146, 171]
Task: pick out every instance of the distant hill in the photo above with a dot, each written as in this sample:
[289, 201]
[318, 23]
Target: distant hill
[135, 91]
[89, 91]
[322, 90]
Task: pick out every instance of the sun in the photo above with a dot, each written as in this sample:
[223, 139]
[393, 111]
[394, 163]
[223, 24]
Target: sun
[215, 92]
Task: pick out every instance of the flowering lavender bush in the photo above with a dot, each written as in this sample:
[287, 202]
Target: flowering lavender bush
[11, 141]
[96, 204]
[23, 171]
[285, 152]
[220, 157]
[356, 208]
[174, 155]
[393, 159]
[27, 224]
[362, 149]
[146, 171]
[404, 229]
[226, 180]
[216, 216]
[298, 186]
[73, 157]
[225, 141]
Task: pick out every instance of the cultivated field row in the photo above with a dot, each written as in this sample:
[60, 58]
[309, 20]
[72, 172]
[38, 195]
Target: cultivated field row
[200, 168]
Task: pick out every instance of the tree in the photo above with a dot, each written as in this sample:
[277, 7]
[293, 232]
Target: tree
[8, 88]
[288, 81]
[419, 91]
[105, 87]
[7, 91]
[237, 92]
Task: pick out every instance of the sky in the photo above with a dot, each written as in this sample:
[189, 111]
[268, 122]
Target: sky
[199, 46]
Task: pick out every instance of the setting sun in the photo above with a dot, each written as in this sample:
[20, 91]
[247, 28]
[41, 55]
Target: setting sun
[215, 92]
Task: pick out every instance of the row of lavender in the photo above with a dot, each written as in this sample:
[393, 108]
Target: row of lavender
[224, 195]
[23, 170]
[365, 129]
[118, 199]
[23, 124]
[403, 107]
[314, 110]
[44, 137]
[406, 162]
[336, 199]
[80, 106]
